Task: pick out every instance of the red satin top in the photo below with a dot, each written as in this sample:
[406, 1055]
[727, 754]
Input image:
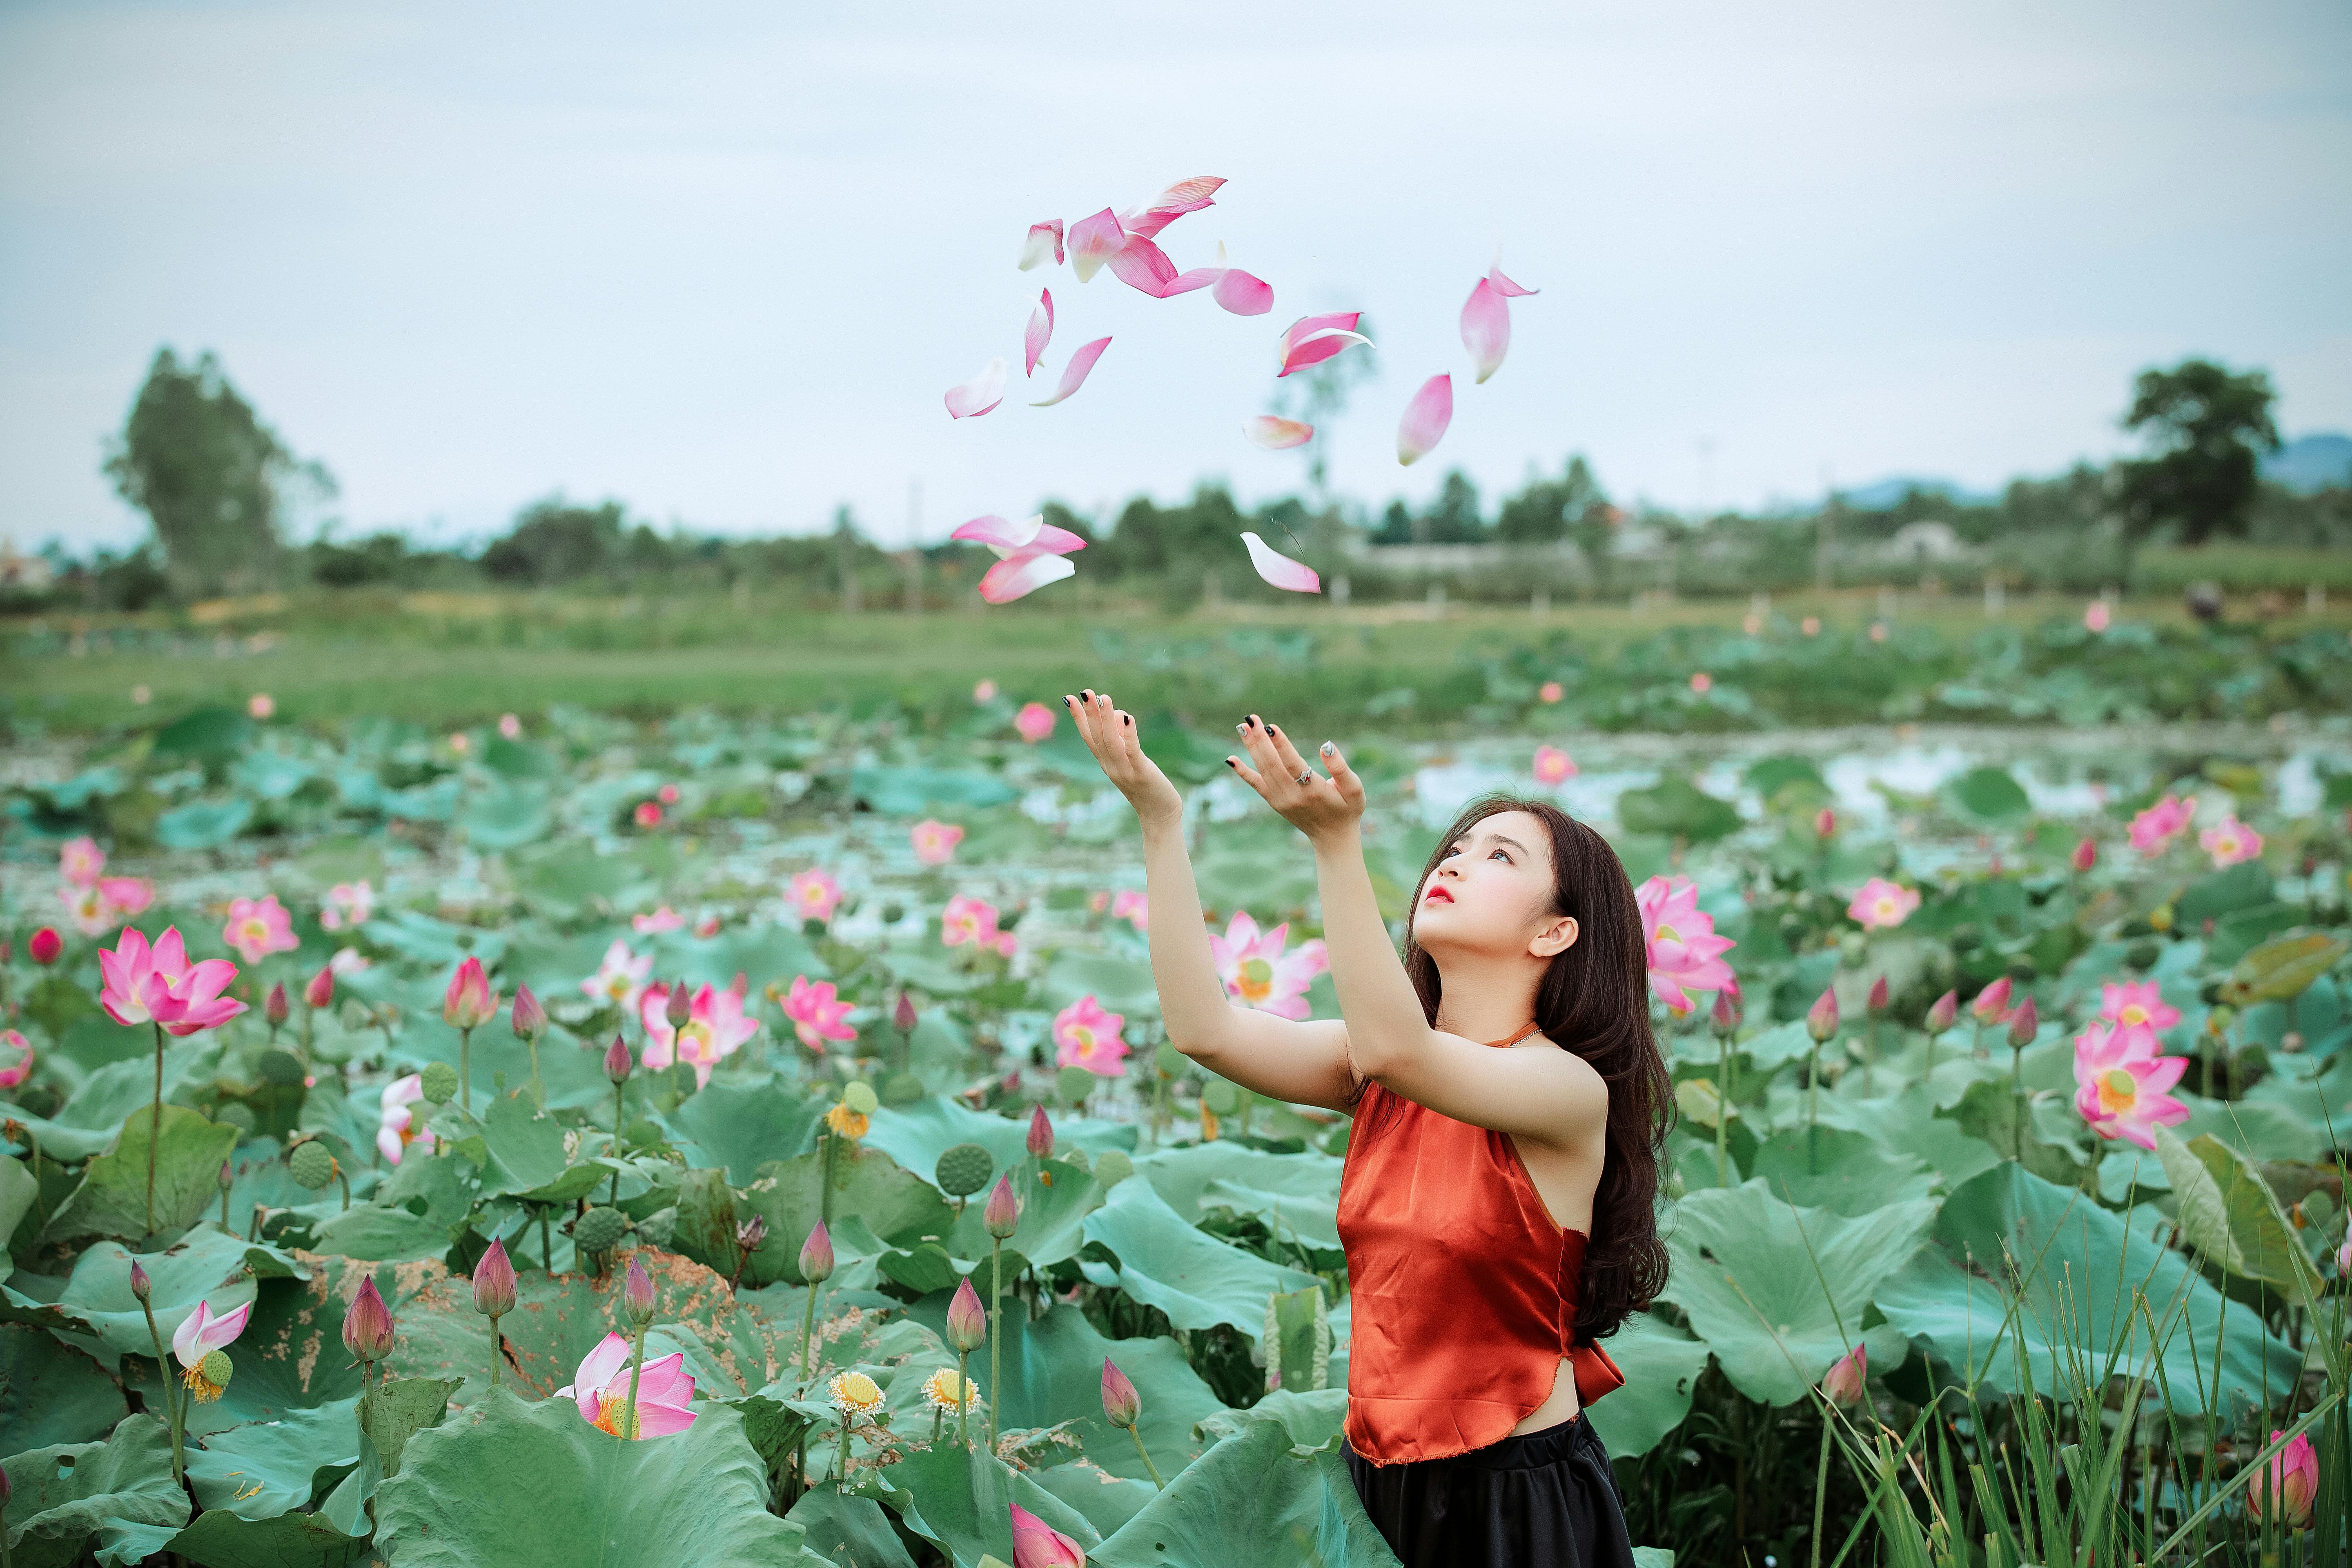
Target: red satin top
[1462, 1289]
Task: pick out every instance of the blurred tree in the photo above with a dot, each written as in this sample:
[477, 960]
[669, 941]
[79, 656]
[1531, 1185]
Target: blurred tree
[554, 541]
[1454, 518]
[1548, 510]
[1396, 525]
[2206, 427]
[209, 474]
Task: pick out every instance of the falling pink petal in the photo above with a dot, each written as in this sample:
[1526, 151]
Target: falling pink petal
[1487, 328]
[1425, 419]
[1276, 433]
[1244, 295]
[1504, 286]
[1043, 238]
[1281, 570]
[981, 394]
[1073, 374]
[1001, 536]
[1307, 326]
[1144, 267]
[1022, 573]
[1055, 541]
[1183, 197]
[1199, 277]
[1040, 332]
[1093, 241]
[1317, 347]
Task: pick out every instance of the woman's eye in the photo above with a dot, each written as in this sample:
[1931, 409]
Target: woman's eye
[1507, 859]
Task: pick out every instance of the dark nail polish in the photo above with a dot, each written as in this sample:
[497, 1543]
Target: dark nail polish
[1126, 718]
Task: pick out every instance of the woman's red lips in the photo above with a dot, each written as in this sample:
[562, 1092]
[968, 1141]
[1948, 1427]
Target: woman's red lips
[1437, 893]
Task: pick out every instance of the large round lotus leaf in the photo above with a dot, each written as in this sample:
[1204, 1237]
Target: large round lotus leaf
[1250, 1501]
[1121, 986]
[1661, 1364]
[900, 1206]
[51, 1393]
[963, 1498]
[509, 817]
[1779, 1293]
[740, 1124]
[203, 825]
[510, 1482]
[122, 1490]
[846, 1528]
[262, 1468]
[1055, 1198]
[206, 1265]
[113, 1198]
[916, 1135]
[1245, 1177]
[1675, 809]
[377, 1235]
[1832, 1168]
[1052, 1372]
[220, 1539]
[1315, 1417]
[2080, 1271]
[1198, 1280]
[1107, 1502]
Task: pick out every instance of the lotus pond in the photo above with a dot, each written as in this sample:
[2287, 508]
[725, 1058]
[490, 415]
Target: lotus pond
[1945, 1289]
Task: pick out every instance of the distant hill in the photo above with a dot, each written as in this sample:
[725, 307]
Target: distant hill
[2311, 463]
[1886, 494]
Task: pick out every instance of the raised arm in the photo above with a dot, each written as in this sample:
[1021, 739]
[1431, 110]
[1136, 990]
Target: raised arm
[1303, 1063]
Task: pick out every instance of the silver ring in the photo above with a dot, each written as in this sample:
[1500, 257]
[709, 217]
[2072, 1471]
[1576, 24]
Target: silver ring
[1306, 776]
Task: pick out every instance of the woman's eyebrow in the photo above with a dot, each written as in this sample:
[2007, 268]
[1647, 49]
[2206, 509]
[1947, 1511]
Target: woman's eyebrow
[1502, 838]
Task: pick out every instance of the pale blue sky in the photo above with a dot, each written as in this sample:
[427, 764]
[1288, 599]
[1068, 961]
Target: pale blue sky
[721, 261]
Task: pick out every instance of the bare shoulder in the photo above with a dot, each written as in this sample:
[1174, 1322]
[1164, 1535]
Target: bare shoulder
[1583, 1091]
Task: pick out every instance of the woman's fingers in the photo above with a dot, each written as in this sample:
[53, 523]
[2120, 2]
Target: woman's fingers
[1260, 746]
[1292, 763]
[1127, 739]
[1351, 788]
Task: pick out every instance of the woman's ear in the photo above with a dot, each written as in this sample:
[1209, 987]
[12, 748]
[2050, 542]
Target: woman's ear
[1555, 936]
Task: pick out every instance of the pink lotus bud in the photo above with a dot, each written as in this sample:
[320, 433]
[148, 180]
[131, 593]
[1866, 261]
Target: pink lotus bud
[529, 1017]
[967, 1319]
[320, 990]
[2023, 1025]
[470, 1003]
[367, 1327]
[1843, 1384]
[494, 1282]
[1036, 1544]
[1945, 1013]
[816, 1255]
[1122, 1405]
[275, 1007]
[1992, 1004]
[2281, 1492]
[1822, 1020]
[2087, 854]
[637, 1295]
[1002, 1216]
[46, 945]
[904, 1016]
[1727, 1013]
[140, 1288]
[1041, 1133]
[681, 1007]
[1878, 998]
[616, 1060]
[1825, 821]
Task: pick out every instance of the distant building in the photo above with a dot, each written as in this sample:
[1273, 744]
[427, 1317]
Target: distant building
[21, 574]
[1924, 543]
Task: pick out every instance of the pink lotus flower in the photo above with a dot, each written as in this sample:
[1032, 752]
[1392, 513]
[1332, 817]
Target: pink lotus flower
[396, 1123]
[1258, 974]
[814, 894]
[2282, 1490]
[2120, 1092]
[2153, 831]
[935, 842]
[1702, 682]
[648, 813]
[1882, 904]
[1845, 1382]
[714, 1030]
[88, 909]
[1684, 950]
[80, 862]
[972, 921]
[1550, 691]
[157, 984]
[510, 726]
[2230, 841]
[1035, 722]
[2095, 615]
[1553, 767]
[257, 929]
[14, 1073]
[2085, 856]
[261, 705]
[1133, 907]
[348, 904]
[620, 979]
[983, 690]
[2138, 1009]
[44, 946]
[1085, 1035]
[601, 1389]
[661, 920]
[469, 1003]
[199, 1334]
[349, 961]
[1991, 1005]
[816, 1013]
[1036, 1544]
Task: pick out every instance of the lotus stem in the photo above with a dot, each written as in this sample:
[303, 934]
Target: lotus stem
[537, 1090]
[171, 1401]
[1146, 1457]
[841, 1480]
[224, 1209]
[155, 1129]
[824, 1191]
[465, 1071]
[636, 1370]
[1812, 1112]
[546, 1247]
[995, 1330]
[808, 1322]
[620, 1104]
[963, 1396]
[2017, 1100]
[1723, 1113]
[346, 1181]
[497, 1350]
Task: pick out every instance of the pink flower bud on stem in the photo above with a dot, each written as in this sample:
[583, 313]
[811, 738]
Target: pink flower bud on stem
[320, 990]
[1041, 1133]
[2023, 1025]
[637, 1300]
[494, 1297]
[816, 1268]
[1821, 1023]
[529, 1020]
[140, 1290]
[1122, 1406]
[276, 1008]
[967, 1327]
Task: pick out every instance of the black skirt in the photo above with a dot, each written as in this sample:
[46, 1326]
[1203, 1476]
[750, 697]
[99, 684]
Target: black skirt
[1544, 1499]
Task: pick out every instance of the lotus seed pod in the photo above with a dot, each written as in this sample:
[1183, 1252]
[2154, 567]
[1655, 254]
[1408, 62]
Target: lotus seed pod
[282, 1067]
[237, 1115]
[1077, 1157]
[967, 1327]
[1113, 1166]
[902, 1088]
[1073, 1084]
[964, 1170]
[312, 1164]
[2142, 956]
[860, 1097]
[751, 1233]
[1002, 1216]
[1221, 1095]
[217, 1368]
[893, 913]
[599, 1230]
[1170, 1061]
[440, 1082]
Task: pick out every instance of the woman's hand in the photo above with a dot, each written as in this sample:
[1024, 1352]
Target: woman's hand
[1318, 807]
[1110, 734]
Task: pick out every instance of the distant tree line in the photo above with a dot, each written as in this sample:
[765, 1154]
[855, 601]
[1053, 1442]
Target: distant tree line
[220, 489]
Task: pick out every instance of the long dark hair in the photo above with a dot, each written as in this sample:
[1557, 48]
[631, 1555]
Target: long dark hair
[1594, 1001]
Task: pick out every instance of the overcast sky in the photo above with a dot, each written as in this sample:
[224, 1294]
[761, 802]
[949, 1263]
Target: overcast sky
[721, 262]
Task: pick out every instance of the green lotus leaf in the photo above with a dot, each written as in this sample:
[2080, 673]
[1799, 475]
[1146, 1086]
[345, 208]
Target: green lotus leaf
[122, 1490]
[1121, 986]
[51, 1393]
[1990, 795]
[1303, 1187]
[203, 825]
[1106, 1500]
[2282, 968]
[263, 1468]
[1779, 1292]
[220, 1539]
[844, 1527]
[2218, 894]
[916, 791]
[205, 1265]
[1248, 1501]
[508, 817]
[1661, 1364]
[113, 1198]
[916, 1135]
[92, 1117]
[900, 1206]
[1055, 1198]
[1315, 1418]
[505, 1480]
[1855, 1173]
[2027, 1280]
[1198, 1280]
[1675, 809]
[2230, 1214]
[740, 1124]
[962, 1498]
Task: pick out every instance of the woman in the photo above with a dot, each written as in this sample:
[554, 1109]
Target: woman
[1509, 1103]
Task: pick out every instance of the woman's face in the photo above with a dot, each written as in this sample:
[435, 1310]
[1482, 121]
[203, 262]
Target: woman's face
[1491, 893]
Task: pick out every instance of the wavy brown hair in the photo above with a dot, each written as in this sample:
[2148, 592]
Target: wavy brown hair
[1594, 1001]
